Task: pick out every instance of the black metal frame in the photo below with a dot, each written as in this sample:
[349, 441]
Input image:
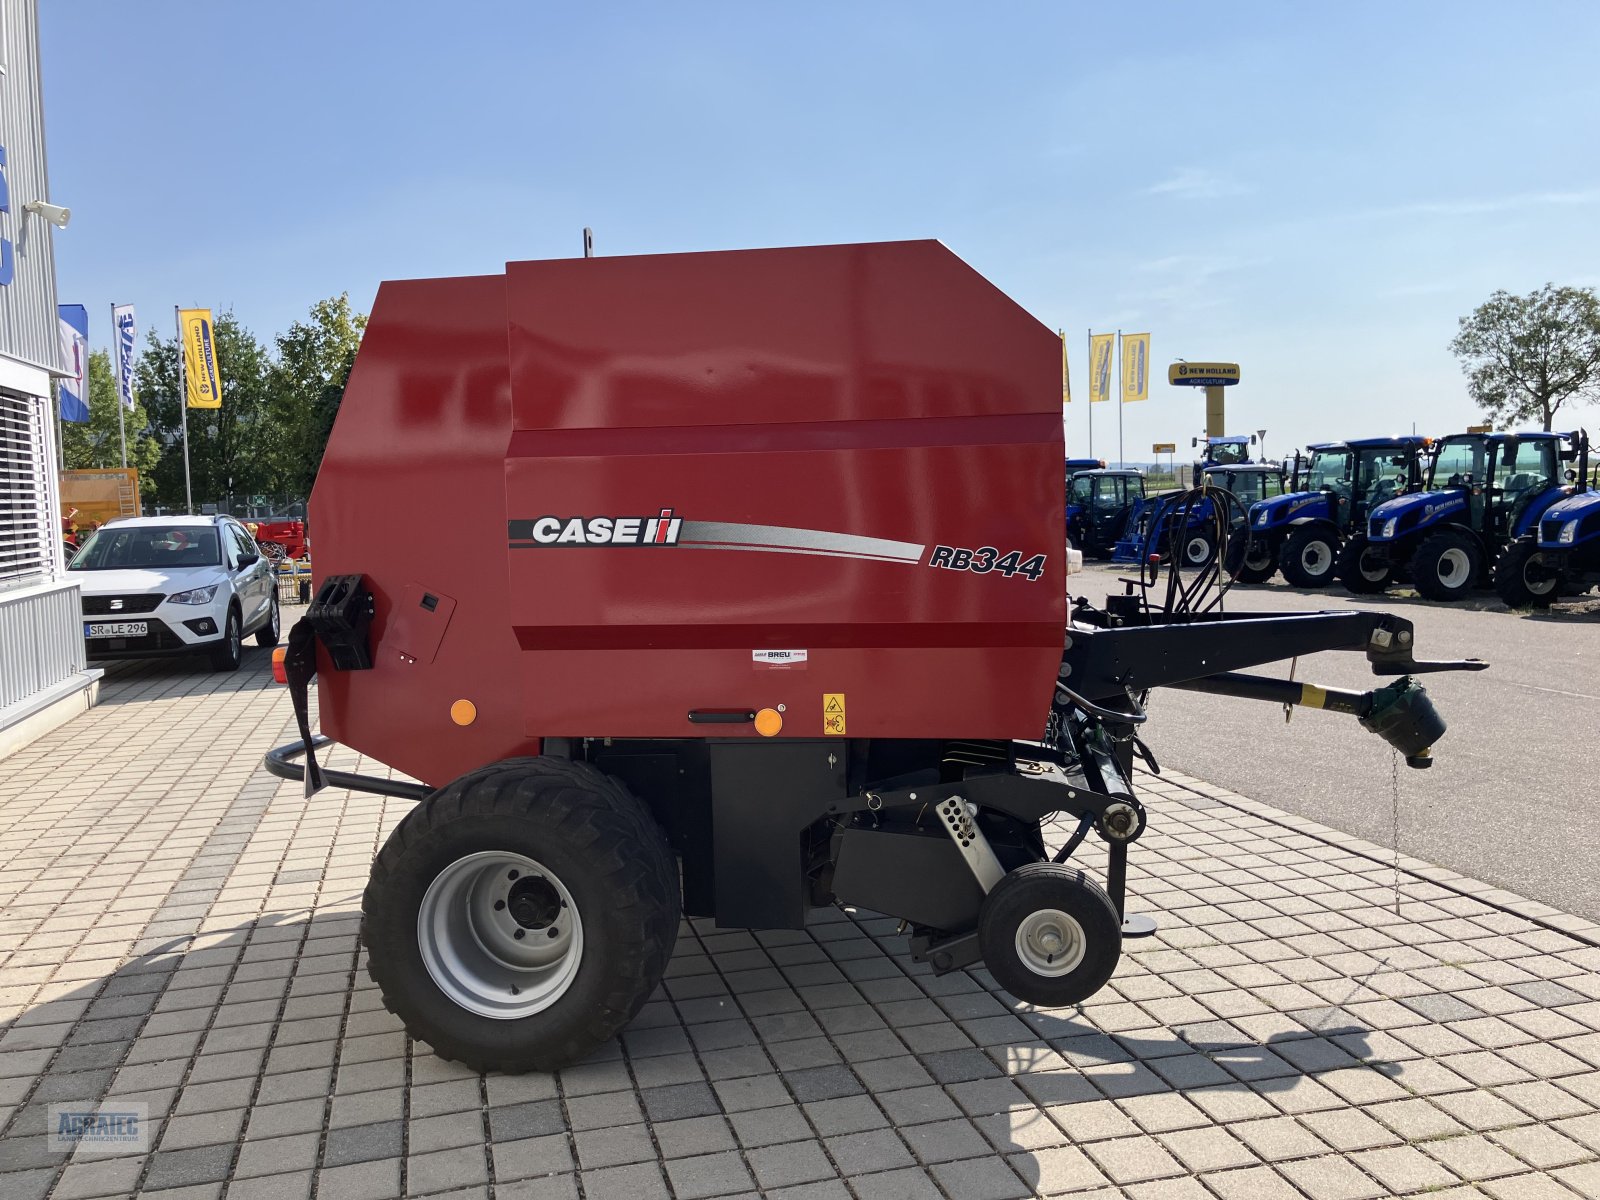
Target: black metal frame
[769, 827]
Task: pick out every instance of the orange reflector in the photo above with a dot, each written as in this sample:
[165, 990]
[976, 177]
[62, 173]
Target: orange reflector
[463, 712]
[768, 722]
[279, 675]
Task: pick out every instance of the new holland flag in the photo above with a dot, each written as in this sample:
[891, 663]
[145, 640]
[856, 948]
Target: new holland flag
[200, 358]
[74, 325]
[127, 333]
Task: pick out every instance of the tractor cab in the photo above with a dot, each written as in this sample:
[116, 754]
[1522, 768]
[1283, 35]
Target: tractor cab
[1229, 451]
[1098, 504]
[1484, 491]
[1249, 482]
[1075, 465]
[1305, 531]
[1561, 556]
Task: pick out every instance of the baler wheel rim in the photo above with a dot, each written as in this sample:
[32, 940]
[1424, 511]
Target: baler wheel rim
[479, 950]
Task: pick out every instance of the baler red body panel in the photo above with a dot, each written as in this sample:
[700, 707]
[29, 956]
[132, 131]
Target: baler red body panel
[796, 433]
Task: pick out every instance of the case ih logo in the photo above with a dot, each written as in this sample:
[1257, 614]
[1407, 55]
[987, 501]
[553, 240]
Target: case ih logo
[660, 530]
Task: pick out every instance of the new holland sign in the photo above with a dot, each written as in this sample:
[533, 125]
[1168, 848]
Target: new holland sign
[1203, 374]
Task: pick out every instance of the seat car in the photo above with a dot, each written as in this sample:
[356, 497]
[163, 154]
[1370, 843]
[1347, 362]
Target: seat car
[155, 586]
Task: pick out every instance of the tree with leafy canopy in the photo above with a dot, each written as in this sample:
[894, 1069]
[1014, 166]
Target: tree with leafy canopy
[1527, 356]
[97, 444]
[305, 386]
[227, 445]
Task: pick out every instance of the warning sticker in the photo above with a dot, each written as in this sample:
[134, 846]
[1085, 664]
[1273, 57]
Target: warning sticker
[833, 713]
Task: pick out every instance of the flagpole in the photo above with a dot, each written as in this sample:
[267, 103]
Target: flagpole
[183, 412]
[116, 382]
[1089, 343]
[1122, 364]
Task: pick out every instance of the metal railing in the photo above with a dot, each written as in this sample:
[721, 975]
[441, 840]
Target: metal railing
[41, 639]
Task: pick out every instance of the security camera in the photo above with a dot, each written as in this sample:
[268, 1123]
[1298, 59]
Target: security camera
[53, 213]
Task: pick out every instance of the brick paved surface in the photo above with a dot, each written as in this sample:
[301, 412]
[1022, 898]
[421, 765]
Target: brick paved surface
[179, 930]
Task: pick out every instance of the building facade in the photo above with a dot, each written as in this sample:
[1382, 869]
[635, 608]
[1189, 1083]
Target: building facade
[43, 680]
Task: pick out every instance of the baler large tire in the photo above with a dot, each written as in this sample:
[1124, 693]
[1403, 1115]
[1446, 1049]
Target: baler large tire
[1446, 566]
[518, 918]
[1308, 557]
[1522, 580]
[1363, 570]
[1049, 934]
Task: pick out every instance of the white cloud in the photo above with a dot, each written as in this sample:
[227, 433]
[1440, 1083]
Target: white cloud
[1197, 183]
[1467, 206]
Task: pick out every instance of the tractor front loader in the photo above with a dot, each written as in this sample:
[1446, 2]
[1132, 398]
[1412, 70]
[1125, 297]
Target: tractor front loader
[748, 596]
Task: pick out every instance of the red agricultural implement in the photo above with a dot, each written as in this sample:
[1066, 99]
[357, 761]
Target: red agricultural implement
[746, 594]
[280, 539]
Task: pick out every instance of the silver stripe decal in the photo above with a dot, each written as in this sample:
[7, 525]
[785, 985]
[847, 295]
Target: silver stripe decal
[731, 535]
[794, 550]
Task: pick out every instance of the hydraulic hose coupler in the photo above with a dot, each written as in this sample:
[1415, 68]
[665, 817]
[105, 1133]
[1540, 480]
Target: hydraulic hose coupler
[1403, 715]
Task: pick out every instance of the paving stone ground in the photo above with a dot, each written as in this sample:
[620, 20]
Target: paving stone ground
[178, 929]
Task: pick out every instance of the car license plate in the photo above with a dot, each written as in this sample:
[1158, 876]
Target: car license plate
[99, 629]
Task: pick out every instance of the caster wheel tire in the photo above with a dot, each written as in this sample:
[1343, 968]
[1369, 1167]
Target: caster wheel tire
[1361, 569]
[519, 917]
[1050, 935]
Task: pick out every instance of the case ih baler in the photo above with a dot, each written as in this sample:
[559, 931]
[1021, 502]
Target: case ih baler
[748, 595]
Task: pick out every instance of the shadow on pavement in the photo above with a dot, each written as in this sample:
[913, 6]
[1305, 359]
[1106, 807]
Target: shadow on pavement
[211, 1018]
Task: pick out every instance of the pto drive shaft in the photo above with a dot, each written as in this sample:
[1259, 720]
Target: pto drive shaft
[1400, 713]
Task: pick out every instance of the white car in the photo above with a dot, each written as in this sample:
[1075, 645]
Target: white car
[175, 585]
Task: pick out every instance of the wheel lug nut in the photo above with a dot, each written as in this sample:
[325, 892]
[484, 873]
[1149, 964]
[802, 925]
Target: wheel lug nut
[520, 934]
[499, 904]
[554, 932]
[511, 874]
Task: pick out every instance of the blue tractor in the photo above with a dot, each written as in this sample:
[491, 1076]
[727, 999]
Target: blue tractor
[1154, 526]
[1562, 556]
[1228, 451]
[1304, 532]
[1484, 492]
[1098, 505]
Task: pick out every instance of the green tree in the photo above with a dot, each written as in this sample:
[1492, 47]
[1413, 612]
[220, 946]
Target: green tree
[227, 445]
[1526, 356]
[305, 387]
[97, 444]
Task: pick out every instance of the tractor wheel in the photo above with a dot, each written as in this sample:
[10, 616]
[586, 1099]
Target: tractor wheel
[1251, 560]
[1362, 569]
[1197, 547]
[1050, 936]
[1523, 578]
[519, 917]
[1309, 556]
[1446, 566]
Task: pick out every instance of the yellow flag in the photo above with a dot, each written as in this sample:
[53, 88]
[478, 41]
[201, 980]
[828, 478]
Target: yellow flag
[1100, 347]
[1135, 367]
[200, 358]
[1066, 375]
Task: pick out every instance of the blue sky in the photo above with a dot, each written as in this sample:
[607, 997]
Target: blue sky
[1316, 192]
